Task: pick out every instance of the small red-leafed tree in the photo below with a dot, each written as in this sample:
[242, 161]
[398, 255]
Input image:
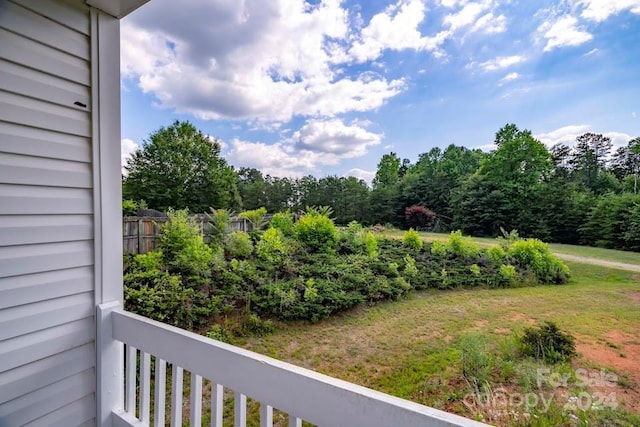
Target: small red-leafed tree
[419, 217]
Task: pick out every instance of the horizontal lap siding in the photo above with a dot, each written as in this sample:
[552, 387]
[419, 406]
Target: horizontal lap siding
[47, 327]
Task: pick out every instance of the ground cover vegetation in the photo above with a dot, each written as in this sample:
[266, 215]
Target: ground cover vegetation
[309, 269]
[585, 193]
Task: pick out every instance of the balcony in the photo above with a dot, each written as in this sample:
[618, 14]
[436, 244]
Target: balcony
[301, 393]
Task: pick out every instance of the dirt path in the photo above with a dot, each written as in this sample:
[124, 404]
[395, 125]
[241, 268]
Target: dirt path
[596, 261]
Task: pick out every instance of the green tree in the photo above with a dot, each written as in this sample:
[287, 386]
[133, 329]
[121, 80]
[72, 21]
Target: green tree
[385, 195]
[507, 189]
[589, 160]
[179, 167]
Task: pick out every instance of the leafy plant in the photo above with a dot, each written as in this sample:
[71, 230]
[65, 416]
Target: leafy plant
[419, 217]
[317, 232]
[183, 249]
[218, 224]
[272, 246]
[411, 239]
[475, 360]
[536, 257]
[283, 221]
[256, 218]
[238, 244]
[547, 342]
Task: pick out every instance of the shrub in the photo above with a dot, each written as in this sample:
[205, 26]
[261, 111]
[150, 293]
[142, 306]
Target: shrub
[462, 246]
[357, 240]
[411, 239]
[283, 221]
[496, 254]
[547, 342]
[149, 261]
[317, 232]
[216, 332]
[218, 225]
[272, 247]
[419, 217]
[256, 218]
[536, 257]
[183, 249]
[238, 244]
[508, 274]
[439, 248]
[162, 297]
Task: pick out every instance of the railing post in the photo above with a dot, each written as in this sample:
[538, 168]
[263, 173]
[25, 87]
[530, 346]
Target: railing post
[109, 366]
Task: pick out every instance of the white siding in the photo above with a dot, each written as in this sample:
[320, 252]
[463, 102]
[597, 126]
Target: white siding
[47, 303]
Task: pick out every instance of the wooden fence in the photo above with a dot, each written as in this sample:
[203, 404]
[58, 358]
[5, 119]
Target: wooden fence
[142, 234]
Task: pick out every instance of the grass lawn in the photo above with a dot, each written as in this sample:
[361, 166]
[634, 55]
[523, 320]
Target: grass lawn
[413, 348]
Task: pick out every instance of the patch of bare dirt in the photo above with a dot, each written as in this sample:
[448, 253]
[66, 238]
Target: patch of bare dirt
[621, 353]
[633, 295]
[520, 317]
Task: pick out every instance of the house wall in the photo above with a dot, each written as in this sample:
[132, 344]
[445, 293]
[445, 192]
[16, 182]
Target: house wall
[48, 202]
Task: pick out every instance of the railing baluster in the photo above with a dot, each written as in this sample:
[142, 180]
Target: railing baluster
[266, 415]
[160, 392]
[145, 386]
[294, 422]
[176, 396]
[132, 361]
[240, 409]
[217, 404]
[195, 401]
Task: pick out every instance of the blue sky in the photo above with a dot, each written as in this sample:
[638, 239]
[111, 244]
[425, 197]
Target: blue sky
[327, 87]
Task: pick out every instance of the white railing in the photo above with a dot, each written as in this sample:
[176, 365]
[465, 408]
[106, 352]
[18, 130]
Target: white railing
[301, 393]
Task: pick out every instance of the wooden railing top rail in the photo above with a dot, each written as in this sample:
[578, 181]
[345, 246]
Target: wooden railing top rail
[309, 395]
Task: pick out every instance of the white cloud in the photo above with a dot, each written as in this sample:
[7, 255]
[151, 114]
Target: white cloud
[564, 135]
[633, 114]
[260, 61]
[510, 77]
[600, 10]
[127, 147]
[500, 62]
[563, 32]
[334, 139]
[567, 135]
[366, 176]
[317, 143]
[467, 15]
[490, 24]
[396, 28]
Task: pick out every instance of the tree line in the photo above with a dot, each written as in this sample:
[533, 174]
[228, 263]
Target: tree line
[584, 193]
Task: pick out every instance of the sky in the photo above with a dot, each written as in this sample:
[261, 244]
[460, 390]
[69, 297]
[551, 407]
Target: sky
[326, 87]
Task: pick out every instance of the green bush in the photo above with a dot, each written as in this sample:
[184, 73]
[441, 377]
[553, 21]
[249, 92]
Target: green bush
[358, 240]
[238, 244]
[547, 342]
[508, 274]
[462, 246]
[183, 248]
[535, 256]
[272, 247]
[496, 254]
[218, 225]
[256, 218]
[163, 297]
[411, 239]
[317, 232]
[149, 261]
[283, 221]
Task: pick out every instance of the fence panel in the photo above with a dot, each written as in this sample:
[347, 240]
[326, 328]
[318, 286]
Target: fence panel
[142, 234]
